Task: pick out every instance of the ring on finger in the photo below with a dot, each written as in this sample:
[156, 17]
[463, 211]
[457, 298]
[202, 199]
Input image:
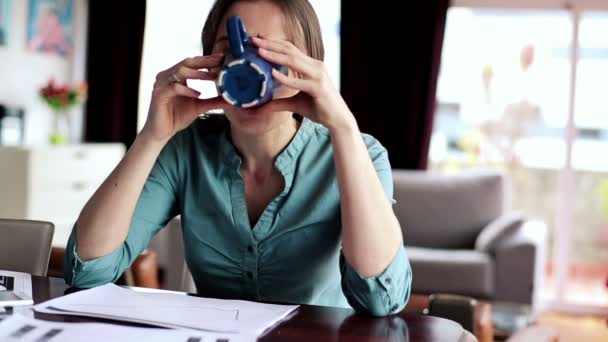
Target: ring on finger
[174, 78]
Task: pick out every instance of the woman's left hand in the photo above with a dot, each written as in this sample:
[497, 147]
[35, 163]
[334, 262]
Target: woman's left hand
[317, 98]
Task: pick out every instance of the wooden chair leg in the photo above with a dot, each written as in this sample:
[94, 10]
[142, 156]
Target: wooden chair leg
[128, 278]
[144, 270]
[56, 263]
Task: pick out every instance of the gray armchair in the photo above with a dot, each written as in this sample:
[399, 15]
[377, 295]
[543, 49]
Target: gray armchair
[461, 238]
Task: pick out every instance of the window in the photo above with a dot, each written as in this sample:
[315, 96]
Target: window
[522, 89]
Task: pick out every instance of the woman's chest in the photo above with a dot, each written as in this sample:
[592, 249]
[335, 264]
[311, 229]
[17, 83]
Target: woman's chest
[295, 222]
[260, 192]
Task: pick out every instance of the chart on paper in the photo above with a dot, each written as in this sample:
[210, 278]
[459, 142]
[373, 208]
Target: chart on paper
[171, 310]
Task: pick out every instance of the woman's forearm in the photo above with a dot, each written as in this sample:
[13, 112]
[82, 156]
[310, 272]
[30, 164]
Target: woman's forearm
[371, 234]
[104, 222]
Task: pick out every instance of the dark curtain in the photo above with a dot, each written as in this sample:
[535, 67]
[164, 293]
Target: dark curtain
[391, 52]
[115, 41]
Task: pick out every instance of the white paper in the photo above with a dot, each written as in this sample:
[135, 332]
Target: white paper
[15, 288]
[24, 329]
[169, 310]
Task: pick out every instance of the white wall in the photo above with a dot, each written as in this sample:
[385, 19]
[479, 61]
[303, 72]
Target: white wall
[173, 30]
[23, 72]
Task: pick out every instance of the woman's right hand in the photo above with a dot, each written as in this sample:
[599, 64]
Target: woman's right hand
[174, 106]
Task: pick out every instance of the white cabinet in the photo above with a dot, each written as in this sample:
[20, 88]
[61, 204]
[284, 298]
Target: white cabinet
[53, 183]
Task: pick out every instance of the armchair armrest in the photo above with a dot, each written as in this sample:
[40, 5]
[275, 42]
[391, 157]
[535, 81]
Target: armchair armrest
[528, 233]
[495, 232]
[519, 257]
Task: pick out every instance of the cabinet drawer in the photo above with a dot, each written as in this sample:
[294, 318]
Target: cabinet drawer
[70, 163]
[62, 204]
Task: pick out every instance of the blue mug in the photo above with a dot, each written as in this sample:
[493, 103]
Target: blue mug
[245, 79]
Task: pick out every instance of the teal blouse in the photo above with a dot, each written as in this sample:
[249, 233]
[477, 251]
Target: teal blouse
[293, 253]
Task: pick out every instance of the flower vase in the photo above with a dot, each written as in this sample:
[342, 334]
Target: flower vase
[61, 128]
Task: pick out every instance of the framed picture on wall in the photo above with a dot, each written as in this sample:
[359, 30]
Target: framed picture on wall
[50, 26]
[4, 21]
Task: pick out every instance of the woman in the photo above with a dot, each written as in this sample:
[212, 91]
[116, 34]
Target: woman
[275, 206]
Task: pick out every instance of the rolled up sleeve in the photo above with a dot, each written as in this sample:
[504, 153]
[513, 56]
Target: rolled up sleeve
[77, 273]
[382, 295]
[106, 269]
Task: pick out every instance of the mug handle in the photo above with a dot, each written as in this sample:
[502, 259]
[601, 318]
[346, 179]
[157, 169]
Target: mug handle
[237, 36]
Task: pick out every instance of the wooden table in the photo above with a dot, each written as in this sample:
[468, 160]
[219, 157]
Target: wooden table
[309, 323]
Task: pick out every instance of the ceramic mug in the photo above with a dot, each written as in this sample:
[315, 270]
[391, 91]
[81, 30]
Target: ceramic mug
[245, 79]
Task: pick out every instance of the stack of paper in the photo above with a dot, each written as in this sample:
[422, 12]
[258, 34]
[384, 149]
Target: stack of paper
[15, 289]
[169, 310]
[24, 329]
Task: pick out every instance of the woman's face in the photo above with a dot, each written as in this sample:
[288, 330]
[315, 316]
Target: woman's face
[260, 18]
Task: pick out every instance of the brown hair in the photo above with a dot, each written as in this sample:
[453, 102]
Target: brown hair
[300, 19]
